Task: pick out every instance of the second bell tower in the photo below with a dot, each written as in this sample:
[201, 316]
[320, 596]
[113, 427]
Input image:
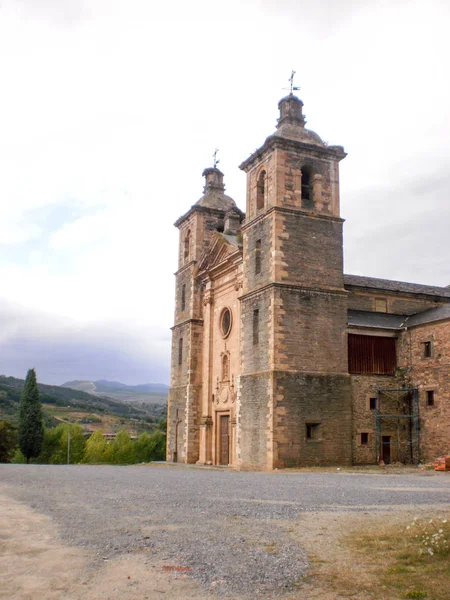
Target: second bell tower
[295, 395]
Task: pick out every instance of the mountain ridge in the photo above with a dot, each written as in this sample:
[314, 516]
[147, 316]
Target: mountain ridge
[151, 393]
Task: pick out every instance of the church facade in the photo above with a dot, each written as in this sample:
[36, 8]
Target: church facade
[279, 359]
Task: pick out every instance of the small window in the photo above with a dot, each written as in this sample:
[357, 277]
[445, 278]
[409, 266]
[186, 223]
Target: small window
[225, 322]
[255, 327]
[364, 439]
[261, 190]
[258, 257]
[307, 197]
[183, 297]
[373, 403]
[180, 351]
[187, 245]
[312, 431]
[430, 397]
[381, 305]
[427, 349]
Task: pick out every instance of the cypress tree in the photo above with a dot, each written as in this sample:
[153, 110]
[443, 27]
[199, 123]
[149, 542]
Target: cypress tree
[31, 428]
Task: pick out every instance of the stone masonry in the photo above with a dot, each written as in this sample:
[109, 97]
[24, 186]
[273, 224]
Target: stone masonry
[278, 358]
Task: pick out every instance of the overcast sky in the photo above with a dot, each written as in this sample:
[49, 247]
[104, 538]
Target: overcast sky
[111, 109]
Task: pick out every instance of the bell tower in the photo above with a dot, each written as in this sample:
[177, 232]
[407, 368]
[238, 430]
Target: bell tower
[295, 396]
[196, 228]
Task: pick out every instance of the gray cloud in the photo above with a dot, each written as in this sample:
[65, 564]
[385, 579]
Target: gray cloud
[62, 351]
[401, 232]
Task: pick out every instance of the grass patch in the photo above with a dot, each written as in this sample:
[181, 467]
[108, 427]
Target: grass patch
[410, 560]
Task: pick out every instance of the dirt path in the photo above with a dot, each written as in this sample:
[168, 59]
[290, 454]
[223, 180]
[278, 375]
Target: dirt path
[35, 565]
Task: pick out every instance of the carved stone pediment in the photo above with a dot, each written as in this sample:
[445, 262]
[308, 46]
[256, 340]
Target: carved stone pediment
[219, 250]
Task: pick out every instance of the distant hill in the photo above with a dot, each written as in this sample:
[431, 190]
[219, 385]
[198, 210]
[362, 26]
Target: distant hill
[148, 393]
[63, 403]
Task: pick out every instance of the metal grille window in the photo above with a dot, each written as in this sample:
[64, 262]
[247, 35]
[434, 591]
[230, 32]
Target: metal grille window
[371, 355]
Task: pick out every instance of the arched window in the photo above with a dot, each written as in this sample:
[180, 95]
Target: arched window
[225, 368]
[307, 195]
[187, 245]
[183, 297]
[261, 190]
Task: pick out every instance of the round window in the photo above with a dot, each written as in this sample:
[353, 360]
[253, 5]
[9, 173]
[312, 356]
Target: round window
[225, 322]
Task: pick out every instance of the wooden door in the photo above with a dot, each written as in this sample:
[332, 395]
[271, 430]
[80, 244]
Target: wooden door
[224, 439]
[386, 449]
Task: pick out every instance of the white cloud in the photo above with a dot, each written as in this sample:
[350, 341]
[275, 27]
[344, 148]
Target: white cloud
[118, 106]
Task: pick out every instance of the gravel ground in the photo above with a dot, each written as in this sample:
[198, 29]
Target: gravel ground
[230, 529]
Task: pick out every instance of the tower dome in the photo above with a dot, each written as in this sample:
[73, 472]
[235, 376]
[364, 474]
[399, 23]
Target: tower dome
[214, 191]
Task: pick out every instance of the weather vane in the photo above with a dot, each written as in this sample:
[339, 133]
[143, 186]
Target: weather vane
[292, 87]
[216, 160]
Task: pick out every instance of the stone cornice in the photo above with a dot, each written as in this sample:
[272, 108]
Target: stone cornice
[274, 141]
[291, 211]
[185, 267]
[187, 322]
[296, 288]
[195, 208]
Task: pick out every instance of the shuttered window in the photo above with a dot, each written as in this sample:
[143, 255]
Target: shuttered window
[371, 355]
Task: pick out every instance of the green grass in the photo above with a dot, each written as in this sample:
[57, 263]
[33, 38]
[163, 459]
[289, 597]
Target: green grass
[417, 555]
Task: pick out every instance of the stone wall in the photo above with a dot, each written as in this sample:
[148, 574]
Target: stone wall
[310, 333]
[309, 249]
[429, 374]
[260, 230]
[253, 427]
[256, 357]
[395, 303]
[365, 387]
[321, 401]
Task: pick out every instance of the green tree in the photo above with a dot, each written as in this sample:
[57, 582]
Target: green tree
[97, 449]
[31, 428]
[122, 449]
[77, 443]
[55, 446]
[158, 446]
[8, 441]
[150, 447]
[51, 447]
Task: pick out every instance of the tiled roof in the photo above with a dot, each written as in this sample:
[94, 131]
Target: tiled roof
[428, 316]
[361, 318]
[396, 286]
[374, 320]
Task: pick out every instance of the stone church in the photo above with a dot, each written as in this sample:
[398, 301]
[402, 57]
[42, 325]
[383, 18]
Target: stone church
[279, 359]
